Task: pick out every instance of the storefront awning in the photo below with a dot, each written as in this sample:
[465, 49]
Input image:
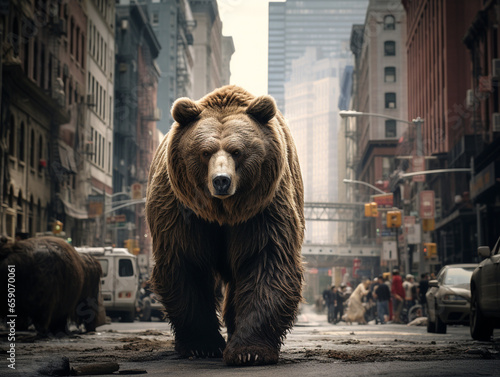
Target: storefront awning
[74, 212]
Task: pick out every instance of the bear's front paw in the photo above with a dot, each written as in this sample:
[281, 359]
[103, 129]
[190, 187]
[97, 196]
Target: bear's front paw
[201, 347]
[250, 355]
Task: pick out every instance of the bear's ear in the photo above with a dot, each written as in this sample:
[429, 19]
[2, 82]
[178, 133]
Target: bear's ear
[185, 110]
[263, 109]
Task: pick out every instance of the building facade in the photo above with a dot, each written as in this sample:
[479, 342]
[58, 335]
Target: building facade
[452, 132]
[380, 87]
[136, 114]
[210, 66]
[96, 170]
[42, 114]
[311, 97]
[173, 24]
[295, 25]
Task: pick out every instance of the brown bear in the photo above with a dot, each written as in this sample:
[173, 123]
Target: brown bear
[48, 281]
[90, 308]
[225, 204]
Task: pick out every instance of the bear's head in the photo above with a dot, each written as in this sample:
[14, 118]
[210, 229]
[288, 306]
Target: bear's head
[226, 154]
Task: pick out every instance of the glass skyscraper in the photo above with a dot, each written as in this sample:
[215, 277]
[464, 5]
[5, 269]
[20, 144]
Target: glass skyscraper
[295, 25]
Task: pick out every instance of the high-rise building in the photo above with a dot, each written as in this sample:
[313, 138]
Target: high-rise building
[173, 24]
[311, 97]
[210, 70]
[380, 88]
[96, 168]
[136, 114]
[295, 25]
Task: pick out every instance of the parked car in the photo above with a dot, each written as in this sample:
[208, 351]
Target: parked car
[485, 291]
[119, 281]
[448, 297]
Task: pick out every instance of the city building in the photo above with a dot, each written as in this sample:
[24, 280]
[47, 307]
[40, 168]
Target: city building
[311, 97]
[42, 108]
[456, 113]
[96, 146]
[380, 87]
[135, 115]
[295, 25]
[210, 66]
[173, 24]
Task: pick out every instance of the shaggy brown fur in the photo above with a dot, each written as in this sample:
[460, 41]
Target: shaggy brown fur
[250, 239]
[90, 306]
[49, 278]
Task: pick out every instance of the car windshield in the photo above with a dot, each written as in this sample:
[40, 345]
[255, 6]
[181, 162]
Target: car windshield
[458, 276]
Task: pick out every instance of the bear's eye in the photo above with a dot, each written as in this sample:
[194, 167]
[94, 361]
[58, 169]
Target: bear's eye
[206, 154]
[236, 153]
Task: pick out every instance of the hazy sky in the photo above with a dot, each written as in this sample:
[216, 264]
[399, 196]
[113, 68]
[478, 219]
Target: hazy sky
[247, 22]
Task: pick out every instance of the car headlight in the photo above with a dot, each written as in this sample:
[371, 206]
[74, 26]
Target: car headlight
[454, 298]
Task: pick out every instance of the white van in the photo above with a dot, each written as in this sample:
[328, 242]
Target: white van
[119, 281]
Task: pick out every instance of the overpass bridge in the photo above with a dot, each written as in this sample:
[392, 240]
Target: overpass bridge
[342, 212]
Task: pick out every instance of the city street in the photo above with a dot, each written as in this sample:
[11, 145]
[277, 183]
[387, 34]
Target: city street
[314, 347]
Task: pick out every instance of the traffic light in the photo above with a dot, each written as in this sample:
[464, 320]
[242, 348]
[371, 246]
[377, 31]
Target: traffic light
[428, 225]
[393, 219]
[57, 227]
[430, 250]
[371, 210]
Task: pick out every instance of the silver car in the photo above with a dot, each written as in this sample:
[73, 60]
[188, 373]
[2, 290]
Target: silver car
[485, 290]
[448, 297]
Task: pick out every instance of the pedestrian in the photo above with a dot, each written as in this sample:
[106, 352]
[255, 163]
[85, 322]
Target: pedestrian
[341, 298]
[408, 286]
[355, 309]
[398, 295]
[423, 286]
[382, 294]
[330, 297]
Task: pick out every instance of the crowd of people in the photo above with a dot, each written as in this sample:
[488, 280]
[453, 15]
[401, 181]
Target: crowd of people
[383, 299]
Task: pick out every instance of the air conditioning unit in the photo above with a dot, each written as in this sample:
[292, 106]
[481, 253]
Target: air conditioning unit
[392, 105]
[495, 122]
[124, 24]
[469, 99]
[157, 114]
[122, 67]
[495, 68]
[90, 100]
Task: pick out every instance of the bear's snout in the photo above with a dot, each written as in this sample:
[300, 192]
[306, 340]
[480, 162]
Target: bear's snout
[221, 183]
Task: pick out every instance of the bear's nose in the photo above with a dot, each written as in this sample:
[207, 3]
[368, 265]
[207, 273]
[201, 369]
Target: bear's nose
[221, 184]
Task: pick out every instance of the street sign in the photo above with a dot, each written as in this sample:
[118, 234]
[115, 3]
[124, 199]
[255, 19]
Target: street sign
[418, 164]
[136, 189]
[412, 230]
[384, 200]
[427, 204]
[389, 252]
[95, 206]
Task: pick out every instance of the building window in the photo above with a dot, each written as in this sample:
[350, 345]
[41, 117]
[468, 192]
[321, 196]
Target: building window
[40, 153]
[390, 74]
[21, 142]
[388, 166]
[389, 23]
[32, 149]
[156, 18]
[390, 128]
[390, 100]
[389, 48]
[12, 137]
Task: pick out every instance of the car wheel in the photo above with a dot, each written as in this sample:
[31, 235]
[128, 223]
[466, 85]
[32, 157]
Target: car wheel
[440, 326]
[128, 316]
[480, 327]
[431, 326]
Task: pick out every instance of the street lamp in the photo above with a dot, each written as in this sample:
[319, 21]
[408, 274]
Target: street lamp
[365, 184]
[417, 123]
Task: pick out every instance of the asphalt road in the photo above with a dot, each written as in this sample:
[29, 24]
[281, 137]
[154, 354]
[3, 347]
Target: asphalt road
[313, 348]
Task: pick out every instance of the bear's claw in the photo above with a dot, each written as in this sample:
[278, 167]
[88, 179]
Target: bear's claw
[252, 355]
